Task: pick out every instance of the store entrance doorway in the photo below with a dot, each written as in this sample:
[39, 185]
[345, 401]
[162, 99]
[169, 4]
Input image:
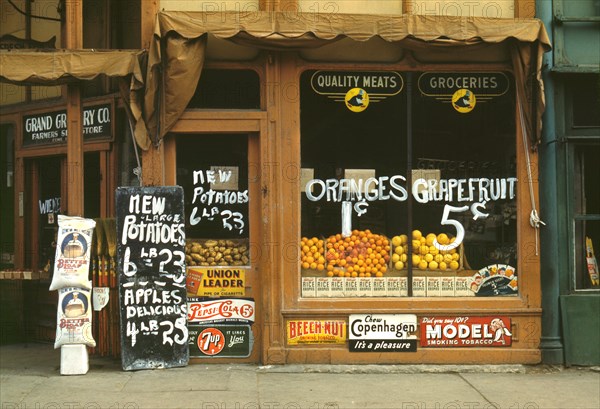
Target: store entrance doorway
[45, 192]
[218, 173]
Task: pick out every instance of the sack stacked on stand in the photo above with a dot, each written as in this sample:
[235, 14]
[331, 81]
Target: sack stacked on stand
[71, 270]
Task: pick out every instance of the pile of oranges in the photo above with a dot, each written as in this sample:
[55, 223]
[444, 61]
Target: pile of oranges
[362, 254]
[425, 255]
[312, 253]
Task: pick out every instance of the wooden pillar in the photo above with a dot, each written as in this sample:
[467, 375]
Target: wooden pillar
[524, 8]
[273, 346]
[74, 151]
[19, 211]
[74, 40]
[153, 166]
[149, 10]
[153, 163]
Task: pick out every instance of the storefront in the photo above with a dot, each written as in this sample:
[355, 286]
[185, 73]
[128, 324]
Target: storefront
[370, 182]
[571, 137]
[40, 164]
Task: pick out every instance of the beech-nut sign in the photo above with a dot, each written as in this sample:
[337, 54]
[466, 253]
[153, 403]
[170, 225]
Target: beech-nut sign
[357, 89]
[463, 90]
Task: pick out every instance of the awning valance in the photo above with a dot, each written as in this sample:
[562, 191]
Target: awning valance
[57, 67]
[62, 66]
[263, 26]
[177, 53]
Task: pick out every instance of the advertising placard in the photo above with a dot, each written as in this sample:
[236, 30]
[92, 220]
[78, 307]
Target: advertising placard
[382, 333]
[316, 332]
[220, 341]
[230, 310]
[216, 281]
[495, 280]
[466, 332]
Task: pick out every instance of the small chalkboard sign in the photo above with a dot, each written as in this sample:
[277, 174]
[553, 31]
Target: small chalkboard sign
[152, 277]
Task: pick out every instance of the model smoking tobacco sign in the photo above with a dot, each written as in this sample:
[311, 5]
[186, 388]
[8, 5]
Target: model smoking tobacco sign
[357, 89]
[465, 89]
[151, 267]
[466, 331]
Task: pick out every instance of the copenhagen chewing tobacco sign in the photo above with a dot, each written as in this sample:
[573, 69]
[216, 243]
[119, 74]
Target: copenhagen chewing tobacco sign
[382, 333]
[357, 89]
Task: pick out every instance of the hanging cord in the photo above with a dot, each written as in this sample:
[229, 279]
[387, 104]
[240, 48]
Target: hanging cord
[137, 171]
[534, 219]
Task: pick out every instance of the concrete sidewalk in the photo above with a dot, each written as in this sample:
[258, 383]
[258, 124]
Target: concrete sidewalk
[30, 378]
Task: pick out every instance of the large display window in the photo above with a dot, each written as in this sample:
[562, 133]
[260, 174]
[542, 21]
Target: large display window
[216, 198]
[408, 184]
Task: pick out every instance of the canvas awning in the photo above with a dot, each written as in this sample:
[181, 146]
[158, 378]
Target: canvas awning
[177, 53]
[57, 67]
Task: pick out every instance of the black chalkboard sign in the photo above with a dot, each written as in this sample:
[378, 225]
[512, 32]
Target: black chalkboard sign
[151, 268]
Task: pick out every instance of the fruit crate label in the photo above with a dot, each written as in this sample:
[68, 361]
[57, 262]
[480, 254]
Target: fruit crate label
[393, 286]
[419, 287]
[434, 288]
[351, 286]
[403, 286]
[323, 285]
[447, 286]
[379, 287]
[309, 289]
[365, 287]
[461, 287]
[337, 287]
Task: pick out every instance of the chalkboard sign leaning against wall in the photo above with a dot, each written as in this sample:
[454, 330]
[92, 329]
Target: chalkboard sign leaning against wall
[151, 268]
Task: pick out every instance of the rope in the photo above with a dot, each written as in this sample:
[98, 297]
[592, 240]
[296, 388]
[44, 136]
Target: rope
[534, 219]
